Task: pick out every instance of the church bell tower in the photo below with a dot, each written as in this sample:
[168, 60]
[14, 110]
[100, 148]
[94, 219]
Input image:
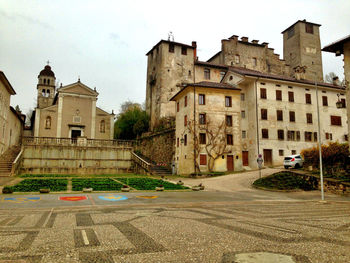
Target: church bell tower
[45, 87]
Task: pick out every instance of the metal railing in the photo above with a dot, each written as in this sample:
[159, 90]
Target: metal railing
[76, 142]
[16, 163]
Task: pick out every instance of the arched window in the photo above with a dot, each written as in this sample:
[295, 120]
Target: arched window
[102, 126]
[48, 82]
[43, 92]
[44, 81]
[48, 122]
[47, 93]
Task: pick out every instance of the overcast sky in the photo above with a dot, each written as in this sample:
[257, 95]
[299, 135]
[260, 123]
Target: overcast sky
[105, 42]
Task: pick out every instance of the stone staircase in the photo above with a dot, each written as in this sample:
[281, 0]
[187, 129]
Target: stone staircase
[7, 159]
[154, 168]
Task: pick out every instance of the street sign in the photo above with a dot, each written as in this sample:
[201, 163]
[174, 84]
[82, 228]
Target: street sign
[260, 161]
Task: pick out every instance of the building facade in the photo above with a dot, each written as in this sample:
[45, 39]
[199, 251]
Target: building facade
[277, 105]
[11, 121]
[70, 111]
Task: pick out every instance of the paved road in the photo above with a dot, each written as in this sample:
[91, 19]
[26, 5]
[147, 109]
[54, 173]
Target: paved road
[228, 222]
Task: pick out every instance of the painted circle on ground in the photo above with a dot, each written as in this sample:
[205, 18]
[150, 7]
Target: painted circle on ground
[73, 198]
[147, 196]
[20, 200]
[112, 198]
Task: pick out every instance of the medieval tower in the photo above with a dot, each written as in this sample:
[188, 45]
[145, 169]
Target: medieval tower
[45, 88]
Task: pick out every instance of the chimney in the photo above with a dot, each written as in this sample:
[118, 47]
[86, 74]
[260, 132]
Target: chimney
[194, 44]
[233, 37]
[336, 81]
[244, 39]
[265, 44]
[255, 41]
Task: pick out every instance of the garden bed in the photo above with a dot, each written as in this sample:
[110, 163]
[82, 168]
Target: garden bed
[97, 184]
[149, 184]
[288, 181]
[34, 185]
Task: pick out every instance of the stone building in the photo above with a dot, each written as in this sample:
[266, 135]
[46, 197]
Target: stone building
[70, 111]
[11, 121]
[277, 99]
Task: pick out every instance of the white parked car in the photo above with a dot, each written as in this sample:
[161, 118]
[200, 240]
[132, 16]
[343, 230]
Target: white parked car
[294, 161]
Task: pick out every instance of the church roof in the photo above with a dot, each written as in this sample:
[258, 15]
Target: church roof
[6, 83]
[47, 72]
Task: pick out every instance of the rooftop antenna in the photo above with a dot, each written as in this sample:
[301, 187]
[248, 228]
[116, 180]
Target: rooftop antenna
[48, 62]
[170, 36]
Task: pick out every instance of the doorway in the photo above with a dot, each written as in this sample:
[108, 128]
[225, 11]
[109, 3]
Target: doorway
[245, 157]
[230, 166]
[268, 157]
[76, 134]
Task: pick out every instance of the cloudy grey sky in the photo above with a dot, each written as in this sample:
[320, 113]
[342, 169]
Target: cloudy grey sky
[105, 42]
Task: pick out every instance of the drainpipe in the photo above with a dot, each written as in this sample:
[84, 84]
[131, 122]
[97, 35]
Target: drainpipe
[257, 120]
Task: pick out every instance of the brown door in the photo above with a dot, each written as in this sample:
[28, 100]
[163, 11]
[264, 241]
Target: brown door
[230, 163]
[245, 158]
[267, 157]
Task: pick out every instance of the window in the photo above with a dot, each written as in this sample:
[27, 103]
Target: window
[171, 48]
[44, 81]
[278, 95]
[202, 159]
[244, 134]
[189, 73]
[279, 115]
[280, 134]
[185, 139]
[263, 93]
[315, 136]
[201, 99]
[228, 101]
[294, 152]
[254, 61]
[229, 139]
[264, 114]
[343, 102]
[242, 97]
[202, 118]
[345, 137]
[324, 101]
[48, 122]
[308, 98]
[280, 152]
[290, 96]
[185, 101]
[206, 73]
[185, 120]
[265, 133]
[177, 106]
[237, 59]
[177, 142]
[202, 138]
[309, 28]
[183, 50]
[243, 114]
[336, 120]
[308, 117]
[291, 135]
[102, 126]
[43, 93]
[48, 82]
[47, 93]
[228, 120]
[290, 32]
[298, 135]
[292, 116]
[308, 136]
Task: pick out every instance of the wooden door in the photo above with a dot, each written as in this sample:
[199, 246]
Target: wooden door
[245, 157]
[267, 157]
[230, 166]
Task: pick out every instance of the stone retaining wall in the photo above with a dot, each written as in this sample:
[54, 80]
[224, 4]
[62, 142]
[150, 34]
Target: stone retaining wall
[333, 186]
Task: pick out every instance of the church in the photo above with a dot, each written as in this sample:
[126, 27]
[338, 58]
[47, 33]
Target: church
[69, 111]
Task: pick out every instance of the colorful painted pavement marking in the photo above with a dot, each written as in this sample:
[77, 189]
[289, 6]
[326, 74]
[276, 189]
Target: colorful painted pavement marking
[147, 196]
[20, 200]
[73, 198]
[113, 198]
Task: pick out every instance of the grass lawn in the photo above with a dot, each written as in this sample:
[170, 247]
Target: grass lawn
[34, 185]
[97, 184]
[285, 181]
[149, 184]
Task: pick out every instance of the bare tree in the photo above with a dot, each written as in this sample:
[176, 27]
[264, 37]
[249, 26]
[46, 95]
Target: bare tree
[216, 142]
[329, 77]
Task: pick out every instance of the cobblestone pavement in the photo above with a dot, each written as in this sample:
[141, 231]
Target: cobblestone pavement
[232, 231]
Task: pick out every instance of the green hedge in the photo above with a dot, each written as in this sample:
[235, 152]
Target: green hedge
[98, 184]
[48, 175]
[34, 185]
[149, 184]
[287, 181]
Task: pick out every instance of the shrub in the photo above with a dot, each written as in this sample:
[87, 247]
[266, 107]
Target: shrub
[34, 185]
[7, 190]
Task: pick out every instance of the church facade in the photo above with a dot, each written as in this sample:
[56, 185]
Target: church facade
[69, 111]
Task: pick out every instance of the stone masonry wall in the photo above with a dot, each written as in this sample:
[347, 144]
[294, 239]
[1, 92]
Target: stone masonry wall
[159, 147]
